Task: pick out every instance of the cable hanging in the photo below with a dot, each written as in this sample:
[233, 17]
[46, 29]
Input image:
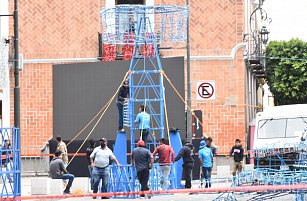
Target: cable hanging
[104, 111]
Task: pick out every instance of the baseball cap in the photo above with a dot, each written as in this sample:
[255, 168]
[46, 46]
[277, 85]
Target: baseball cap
[141, 143]
[202, 144]
[103, 139]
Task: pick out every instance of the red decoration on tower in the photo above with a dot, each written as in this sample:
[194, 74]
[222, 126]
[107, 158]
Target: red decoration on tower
[148, 49]
[127, 49]
[109, 52]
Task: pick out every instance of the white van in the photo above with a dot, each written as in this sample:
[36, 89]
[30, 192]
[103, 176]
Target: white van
[278, 128]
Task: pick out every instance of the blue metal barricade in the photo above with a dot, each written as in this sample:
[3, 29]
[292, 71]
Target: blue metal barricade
[10, 181]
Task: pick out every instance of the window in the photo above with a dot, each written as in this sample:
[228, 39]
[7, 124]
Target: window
[281, 128]
[272, 128]
[295, 125]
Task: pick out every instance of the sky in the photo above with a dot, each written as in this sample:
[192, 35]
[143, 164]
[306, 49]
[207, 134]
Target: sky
[289, 19]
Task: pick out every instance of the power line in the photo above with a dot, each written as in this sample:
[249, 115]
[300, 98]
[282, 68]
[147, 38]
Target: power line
[284, 58]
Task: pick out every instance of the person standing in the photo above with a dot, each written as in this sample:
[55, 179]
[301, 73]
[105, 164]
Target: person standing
[100, 160]
[89, 151]
[143, 120]
[58, 171]
[205, 156]
[143, 161]
[63, 148]
[166, 157]
[238, 153]
[122, 95]
[186, 152]
[7, 159]
[213, 147]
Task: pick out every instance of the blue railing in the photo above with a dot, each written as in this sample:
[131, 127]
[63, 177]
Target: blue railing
[124, 179]
[10, 162]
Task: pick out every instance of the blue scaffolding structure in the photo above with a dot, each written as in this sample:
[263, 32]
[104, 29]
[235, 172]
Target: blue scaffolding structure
[280, 163]
[10, 163]
[144, 28]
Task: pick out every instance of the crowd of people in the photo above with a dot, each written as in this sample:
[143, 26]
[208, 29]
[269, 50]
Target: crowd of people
[142, 159]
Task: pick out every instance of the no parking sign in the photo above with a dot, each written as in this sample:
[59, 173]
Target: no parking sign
[206, 90]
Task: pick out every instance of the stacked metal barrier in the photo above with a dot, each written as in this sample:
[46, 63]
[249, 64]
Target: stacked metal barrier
[10, 163]
[124, 179]
[285, 164]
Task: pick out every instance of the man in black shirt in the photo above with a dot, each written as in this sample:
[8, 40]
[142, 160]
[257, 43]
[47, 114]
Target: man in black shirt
[186, 153]
[89, 151]
[121, 97]
[238, 153]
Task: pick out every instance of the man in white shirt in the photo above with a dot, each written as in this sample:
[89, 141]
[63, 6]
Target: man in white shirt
[100, 159]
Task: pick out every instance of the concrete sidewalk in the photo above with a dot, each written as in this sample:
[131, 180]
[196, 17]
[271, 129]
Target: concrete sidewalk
[26, 191]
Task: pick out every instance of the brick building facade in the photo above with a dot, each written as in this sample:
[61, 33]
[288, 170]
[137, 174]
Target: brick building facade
[59, 31]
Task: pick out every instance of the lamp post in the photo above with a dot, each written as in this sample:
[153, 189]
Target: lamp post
[189, 92]
[256, 38]
[16, 69]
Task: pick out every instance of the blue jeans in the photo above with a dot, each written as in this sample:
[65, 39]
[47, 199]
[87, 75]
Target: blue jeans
[90, 169]
[145, 133]
[120, 116]
[100, 174]
[70, 178]
[207, 175]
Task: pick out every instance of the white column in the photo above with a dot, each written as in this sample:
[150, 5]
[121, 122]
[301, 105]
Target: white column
[4, 68]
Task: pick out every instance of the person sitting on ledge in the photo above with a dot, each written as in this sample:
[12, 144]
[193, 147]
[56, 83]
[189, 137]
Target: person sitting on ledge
[58, 171]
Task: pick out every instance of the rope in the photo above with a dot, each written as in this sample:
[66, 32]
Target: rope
[88, 123]
[165, 110]
[190, 109]
[186, 104]
[91, 130]
[107, 106]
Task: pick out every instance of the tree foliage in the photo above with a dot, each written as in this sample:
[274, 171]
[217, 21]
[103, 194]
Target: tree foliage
[286, 68]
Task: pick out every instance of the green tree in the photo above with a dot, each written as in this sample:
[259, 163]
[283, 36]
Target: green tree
[286, 68]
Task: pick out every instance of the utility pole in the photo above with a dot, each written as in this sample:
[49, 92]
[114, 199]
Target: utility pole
[189, 112]
[16, 69]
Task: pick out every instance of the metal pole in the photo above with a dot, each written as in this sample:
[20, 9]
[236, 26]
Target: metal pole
[16, 69]
[99, 45]
[189, 113]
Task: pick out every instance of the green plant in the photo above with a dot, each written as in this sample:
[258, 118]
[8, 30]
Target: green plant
[286, 68]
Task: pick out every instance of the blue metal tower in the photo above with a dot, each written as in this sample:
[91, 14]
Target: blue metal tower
[144, 28]
[146, 81]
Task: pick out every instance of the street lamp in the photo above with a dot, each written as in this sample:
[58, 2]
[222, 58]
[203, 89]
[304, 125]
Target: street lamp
[256, 39]
[264, 34]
